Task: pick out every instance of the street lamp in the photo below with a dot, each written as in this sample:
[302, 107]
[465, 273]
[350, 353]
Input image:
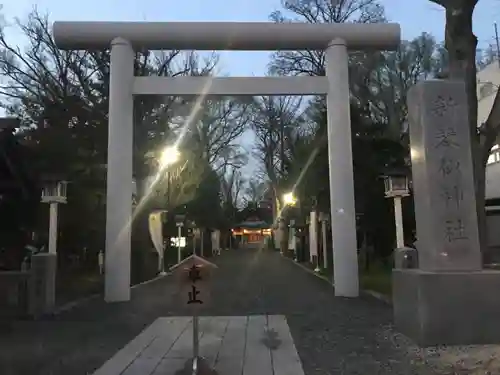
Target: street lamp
[396, 187]
[169, 156]
[289, 199]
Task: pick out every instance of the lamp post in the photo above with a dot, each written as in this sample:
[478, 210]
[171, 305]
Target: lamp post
[300, 233]
[289, 200]
[53, 193]
[191, 225]
[396, 187]
[179, 222]
[169, 156]
[324, 218]
[161, 271]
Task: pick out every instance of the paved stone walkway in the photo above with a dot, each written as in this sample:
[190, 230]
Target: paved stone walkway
[228, 345]
[332, 335]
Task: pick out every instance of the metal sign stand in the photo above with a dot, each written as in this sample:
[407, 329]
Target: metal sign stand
[179, 222]
[194, 272]
[196, 342]
[196, 363]
[179, 235]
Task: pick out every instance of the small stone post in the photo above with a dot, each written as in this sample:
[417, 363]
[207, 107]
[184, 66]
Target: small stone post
[42, 284]
[313, 240]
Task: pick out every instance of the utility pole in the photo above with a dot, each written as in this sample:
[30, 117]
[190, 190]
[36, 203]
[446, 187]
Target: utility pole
[497, 43]
[282, 137]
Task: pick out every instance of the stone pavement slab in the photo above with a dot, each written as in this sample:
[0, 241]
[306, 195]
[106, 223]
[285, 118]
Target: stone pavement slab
[259, 345]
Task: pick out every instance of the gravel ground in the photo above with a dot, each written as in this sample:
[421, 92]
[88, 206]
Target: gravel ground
[332, 335]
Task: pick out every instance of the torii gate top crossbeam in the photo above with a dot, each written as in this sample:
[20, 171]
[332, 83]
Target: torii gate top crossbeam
[244, 36]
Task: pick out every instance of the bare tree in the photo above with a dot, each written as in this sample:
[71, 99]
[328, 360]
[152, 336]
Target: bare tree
[274, 118]
[177, 185]
[232, 183]
[383, 90]
[67, 92]
[62, 99]
[214, 127]
[255, 191]
[311, 62]
[378, 80]
[320, 11]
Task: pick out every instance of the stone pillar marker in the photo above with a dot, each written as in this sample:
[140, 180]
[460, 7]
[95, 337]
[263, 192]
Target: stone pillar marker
[445, 205]
[313, 240]
[449, 299]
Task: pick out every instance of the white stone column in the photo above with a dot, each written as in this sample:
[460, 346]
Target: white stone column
[119, 178]
[53, 228]
[313, 238]
[323, 218]
[345, 257]
[398, 217]
[291, 236]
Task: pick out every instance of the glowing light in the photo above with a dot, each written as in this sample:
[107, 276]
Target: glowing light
[289, 199]
[169, 156]
[415, 153]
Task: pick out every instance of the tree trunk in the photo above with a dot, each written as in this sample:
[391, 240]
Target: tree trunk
[481, 213]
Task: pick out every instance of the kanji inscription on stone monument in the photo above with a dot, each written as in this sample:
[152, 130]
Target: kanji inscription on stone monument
[442, 105]
[449, 172]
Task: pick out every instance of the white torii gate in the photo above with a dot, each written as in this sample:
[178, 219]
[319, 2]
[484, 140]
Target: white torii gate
[123, 37]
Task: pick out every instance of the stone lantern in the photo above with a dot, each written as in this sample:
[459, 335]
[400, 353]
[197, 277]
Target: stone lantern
[396, 183]
[54, 191]
[44, 265]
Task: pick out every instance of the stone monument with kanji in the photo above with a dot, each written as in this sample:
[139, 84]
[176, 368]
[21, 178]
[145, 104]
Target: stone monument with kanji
[449, 298]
